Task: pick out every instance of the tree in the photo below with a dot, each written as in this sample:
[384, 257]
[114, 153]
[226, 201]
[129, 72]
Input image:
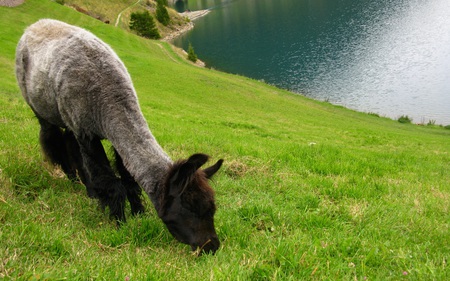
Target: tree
[144, 25]
[191, 54]
[162, 15]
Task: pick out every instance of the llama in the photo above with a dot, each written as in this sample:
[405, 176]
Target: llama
[81, 93]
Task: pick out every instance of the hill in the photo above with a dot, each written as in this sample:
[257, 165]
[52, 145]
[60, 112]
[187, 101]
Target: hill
[308, 191]
[118, 13]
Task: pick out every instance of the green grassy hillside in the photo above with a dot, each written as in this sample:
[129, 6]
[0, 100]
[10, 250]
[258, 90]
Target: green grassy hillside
[309, 191]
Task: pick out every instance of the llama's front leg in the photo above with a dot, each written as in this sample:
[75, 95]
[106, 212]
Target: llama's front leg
[100, 177]
[134, 191]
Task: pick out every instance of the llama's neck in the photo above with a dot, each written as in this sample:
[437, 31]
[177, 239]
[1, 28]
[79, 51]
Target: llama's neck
[142, 156]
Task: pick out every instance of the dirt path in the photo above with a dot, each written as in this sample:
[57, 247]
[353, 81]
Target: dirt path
[166, 52]
[11, 3]
[120, 14]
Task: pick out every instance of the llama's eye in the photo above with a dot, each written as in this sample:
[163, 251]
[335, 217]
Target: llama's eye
[206, 210]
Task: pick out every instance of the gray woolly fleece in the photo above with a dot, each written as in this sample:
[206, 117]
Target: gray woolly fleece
[74, 80]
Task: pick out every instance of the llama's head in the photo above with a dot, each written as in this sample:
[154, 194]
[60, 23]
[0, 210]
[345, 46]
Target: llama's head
[187, 205]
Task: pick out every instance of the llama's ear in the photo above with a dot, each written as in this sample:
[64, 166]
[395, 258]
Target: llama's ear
[210, 171]
[185, 173]
[197, 160]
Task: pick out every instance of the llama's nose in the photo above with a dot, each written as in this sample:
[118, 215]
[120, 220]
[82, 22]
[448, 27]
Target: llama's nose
[210, 246]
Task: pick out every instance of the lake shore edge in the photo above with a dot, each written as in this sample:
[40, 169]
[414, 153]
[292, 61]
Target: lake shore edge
[191, 16]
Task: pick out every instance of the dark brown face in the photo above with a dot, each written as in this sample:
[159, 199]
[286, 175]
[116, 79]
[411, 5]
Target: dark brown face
[192, 222]
[189, 208]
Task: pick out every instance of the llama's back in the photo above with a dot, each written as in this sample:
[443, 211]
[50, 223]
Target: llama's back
[65, 72]
[47, 32]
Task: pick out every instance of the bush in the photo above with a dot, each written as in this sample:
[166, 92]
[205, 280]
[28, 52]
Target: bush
[404, 119]
[191, 54]
[162, 15]
[144, 25]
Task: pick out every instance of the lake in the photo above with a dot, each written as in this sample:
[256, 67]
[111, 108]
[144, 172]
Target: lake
[389, 57]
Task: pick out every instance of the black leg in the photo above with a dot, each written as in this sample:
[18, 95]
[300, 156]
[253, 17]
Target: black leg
[86, 158]
[53, 145]
[74, 155]
[100, 178]
[133, 189]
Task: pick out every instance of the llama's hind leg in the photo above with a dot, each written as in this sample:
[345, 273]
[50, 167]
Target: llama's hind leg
[53, 144]
[74, 157]
[134, 191]
[101, 178]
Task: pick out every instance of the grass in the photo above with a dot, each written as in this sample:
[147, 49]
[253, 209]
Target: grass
[308, 190]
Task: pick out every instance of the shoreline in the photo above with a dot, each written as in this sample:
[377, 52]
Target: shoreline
[192, 16]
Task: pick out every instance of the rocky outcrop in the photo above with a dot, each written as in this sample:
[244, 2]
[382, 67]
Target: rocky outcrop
[178, 30]
[11, 3]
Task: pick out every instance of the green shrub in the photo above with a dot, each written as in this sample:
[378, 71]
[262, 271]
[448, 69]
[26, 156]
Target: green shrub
[431, 122]
[404, 119]
[191, 54]
[162, 15]
[144, 25]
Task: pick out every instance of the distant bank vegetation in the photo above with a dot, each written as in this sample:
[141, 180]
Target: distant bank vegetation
[165, 19]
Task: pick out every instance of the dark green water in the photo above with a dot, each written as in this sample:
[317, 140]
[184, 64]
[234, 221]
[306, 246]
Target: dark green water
[390, 57]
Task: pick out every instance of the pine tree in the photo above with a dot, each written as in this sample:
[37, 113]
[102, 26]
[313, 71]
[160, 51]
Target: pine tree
[162, 15]
[144, 25]
[191, 54]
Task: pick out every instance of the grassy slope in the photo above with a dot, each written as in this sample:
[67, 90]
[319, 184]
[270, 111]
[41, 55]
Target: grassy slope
[309, 190]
